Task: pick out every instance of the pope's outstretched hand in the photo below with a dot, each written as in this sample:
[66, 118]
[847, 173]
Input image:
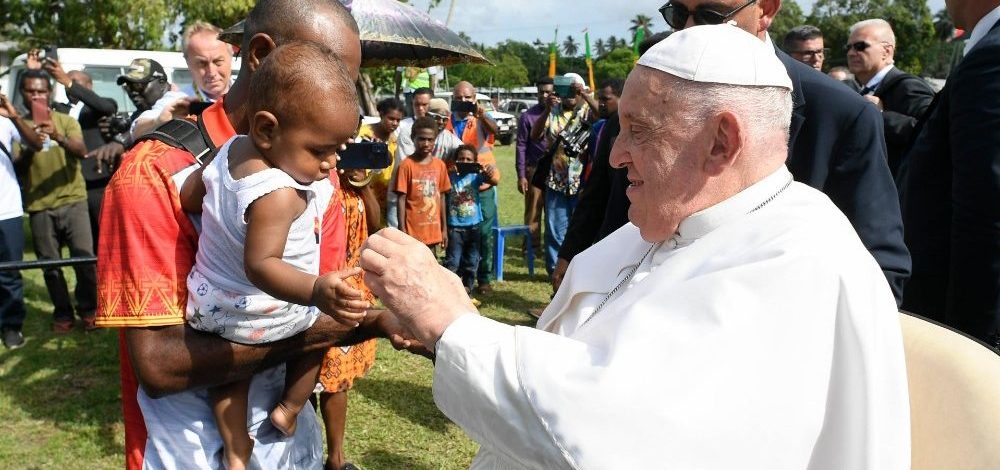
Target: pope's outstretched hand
[403, 273]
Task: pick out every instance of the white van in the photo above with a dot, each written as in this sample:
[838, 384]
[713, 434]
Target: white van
[104, 66]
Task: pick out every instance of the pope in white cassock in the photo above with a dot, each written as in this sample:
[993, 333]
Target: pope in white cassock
[736, 322]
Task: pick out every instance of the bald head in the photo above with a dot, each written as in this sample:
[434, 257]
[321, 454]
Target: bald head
[463, 88]
[81, 78]
[325, 22]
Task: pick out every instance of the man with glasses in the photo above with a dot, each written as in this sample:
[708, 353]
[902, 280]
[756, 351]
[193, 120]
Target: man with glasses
[836, 143]
[902, 98]
[805, 44]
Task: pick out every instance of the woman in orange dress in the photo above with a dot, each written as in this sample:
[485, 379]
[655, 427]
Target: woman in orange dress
[342, 365]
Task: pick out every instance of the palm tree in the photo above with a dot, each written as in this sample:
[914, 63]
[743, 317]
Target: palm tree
[540, 45]
[600, 47]
[641, 22]
[570, 47]
[612, 43]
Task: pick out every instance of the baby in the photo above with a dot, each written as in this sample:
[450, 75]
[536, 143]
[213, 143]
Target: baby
[261, 198]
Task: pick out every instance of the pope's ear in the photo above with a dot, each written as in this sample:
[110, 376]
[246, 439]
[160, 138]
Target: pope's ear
[264, 129]
[768, 10]
[727, 143]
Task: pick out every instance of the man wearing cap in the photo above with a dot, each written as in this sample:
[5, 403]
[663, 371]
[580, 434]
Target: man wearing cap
[145, 82]
[148, 245]
[736, 322]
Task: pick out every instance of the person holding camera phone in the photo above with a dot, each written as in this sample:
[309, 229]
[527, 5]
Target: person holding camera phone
[390, 111]
[470, 123]
[55, 197]
[559, 174]
[465, 213]
[88, 109]
[13, 128]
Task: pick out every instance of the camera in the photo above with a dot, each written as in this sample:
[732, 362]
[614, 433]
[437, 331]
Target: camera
[574, 138]
[563, 87]
[365, 155]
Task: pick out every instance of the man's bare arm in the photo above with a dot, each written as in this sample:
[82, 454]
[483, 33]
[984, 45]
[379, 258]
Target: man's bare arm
[172, 359]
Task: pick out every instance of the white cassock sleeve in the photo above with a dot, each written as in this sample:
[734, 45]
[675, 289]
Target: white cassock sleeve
[476, 385]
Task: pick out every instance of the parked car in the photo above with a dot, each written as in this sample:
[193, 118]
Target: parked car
[516, 106]
[506, 123]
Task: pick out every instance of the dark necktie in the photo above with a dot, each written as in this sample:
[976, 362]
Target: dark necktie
[866, 90]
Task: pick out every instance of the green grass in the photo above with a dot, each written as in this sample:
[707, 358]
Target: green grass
[60, 399]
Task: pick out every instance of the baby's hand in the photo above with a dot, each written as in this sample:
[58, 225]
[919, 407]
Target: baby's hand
[335, 297]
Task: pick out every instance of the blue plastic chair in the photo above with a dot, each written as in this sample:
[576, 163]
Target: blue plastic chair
[500, 233]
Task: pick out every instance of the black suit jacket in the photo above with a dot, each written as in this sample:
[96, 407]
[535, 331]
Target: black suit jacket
[905, 99]
[94, 108]
[951, 199]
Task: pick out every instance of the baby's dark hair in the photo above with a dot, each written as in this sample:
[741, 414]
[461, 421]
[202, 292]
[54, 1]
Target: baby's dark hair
[293, 76]
[466, 148]
[424, 123]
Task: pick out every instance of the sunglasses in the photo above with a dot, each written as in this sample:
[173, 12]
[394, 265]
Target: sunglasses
[676, 15]
[859, 46]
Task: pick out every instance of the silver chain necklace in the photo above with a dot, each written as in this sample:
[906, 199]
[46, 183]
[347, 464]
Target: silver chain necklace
[652, 247]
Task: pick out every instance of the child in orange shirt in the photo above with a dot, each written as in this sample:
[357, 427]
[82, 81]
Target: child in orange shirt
[421, 184]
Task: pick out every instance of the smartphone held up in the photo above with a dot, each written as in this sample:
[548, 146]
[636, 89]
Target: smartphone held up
[364, 155]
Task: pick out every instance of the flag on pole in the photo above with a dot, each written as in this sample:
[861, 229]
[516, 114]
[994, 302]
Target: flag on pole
[640, 35]
[552, 54]
[589, 59]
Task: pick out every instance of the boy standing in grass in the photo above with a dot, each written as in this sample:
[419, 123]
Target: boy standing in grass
[421, 184]
[465, 213]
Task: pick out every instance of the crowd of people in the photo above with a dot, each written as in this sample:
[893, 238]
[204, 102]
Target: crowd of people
[688, 214]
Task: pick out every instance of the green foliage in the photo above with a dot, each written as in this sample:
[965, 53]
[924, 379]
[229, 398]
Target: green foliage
[787, 18]
[119, 24]
[507, 71]
[616, 64]
[910, 19]
[642, 22]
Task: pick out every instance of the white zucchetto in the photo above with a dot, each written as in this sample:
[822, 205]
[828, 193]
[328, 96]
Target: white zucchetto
[722, 54]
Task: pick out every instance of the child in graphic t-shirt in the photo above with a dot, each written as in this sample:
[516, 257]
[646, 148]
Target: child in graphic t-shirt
[465, 213]
[421, 184]
[255, 278]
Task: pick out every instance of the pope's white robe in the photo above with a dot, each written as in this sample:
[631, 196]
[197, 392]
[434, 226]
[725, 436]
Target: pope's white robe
[753, 339]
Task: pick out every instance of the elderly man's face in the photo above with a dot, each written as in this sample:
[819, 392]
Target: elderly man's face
[211, 63]
[660, 154]
[874, 54]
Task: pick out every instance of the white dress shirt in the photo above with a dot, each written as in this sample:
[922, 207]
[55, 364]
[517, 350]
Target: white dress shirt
[982, 27]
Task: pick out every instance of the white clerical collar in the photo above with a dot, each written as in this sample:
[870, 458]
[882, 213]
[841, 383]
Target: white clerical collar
[877, 79]
[704, 221]
[982, 27]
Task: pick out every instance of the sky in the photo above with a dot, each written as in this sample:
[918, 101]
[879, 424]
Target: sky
[493, 21]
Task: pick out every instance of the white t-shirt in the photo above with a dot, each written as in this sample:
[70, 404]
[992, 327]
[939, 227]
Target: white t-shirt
[10, 192]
